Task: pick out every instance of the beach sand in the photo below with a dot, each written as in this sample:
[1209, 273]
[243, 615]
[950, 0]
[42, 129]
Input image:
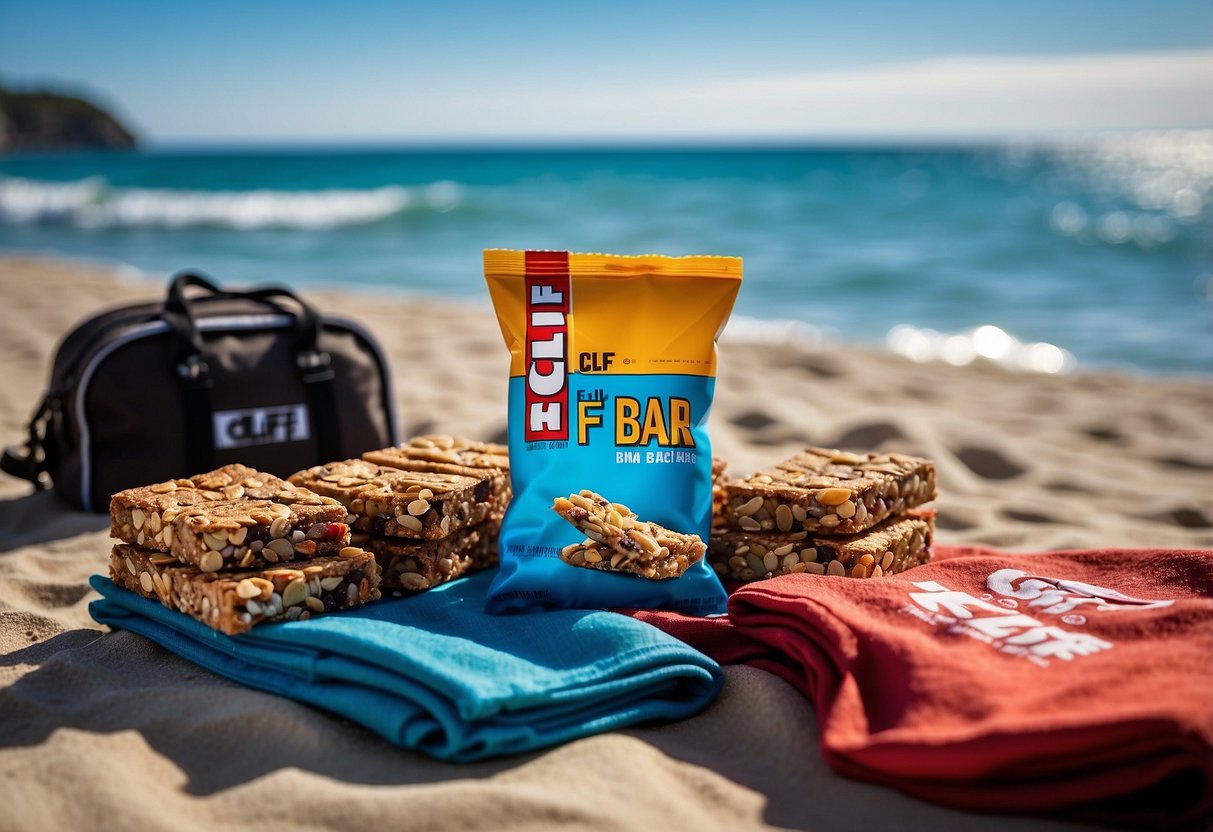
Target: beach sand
[107, 731]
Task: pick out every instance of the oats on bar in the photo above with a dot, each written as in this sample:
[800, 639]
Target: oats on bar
[440, 454]
[638, 542]
[233, 602]
[830, 491]
[233, 516]
[893, 546]
[415, 566]
[419, 505]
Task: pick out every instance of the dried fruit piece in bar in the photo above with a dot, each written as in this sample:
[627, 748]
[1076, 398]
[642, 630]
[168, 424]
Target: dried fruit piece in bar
[829, 490]
[418, 505]
[617, 528]
[420, 565]
[233, 602]
[895, 545]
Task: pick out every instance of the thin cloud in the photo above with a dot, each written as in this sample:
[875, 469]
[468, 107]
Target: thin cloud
[948, 97]
[959, 95]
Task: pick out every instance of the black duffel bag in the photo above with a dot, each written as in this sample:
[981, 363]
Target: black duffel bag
[161, 390]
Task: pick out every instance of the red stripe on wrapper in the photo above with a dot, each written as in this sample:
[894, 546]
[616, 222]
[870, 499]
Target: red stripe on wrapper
[547, 346]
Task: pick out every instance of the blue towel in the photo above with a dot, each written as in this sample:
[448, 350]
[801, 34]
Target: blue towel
[434, 672]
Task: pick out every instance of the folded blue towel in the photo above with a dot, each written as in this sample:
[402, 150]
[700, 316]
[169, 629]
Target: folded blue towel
[434, 672]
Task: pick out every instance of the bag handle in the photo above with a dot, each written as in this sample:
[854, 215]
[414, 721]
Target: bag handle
[307, 322]
[314, 366]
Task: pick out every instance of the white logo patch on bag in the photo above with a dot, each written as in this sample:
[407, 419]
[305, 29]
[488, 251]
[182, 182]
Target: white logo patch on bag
[261, 426]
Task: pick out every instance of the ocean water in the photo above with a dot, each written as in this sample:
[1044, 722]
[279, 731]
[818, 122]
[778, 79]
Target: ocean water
[1093, 253]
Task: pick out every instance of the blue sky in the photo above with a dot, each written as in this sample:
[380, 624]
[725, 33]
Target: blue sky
[226, 71]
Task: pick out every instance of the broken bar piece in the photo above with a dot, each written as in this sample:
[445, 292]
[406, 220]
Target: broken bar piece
[591, 555]
[618, 529]
[827, 490]
[233, 602]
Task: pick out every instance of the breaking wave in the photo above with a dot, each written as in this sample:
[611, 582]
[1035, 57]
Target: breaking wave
[92, 203]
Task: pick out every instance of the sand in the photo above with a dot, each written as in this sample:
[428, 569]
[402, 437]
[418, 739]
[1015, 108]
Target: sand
[106, 731]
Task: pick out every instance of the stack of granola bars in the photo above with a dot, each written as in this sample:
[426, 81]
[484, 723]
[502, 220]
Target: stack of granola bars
[826, 512]
[235, 547]
[430, 510]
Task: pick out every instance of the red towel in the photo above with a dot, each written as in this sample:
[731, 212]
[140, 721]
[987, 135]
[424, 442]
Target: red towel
[1067, 682]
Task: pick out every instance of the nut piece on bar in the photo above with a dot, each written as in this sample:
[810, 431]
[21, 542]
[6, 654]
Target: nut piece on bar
[415, 566]
[149, 516]
[830, 491]
[233, 602]
[893, 546]
[618, 529]
[418, 505]
[591, 555]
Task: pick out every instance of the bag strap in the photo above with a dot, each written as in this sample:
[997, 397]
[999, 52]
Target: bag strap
[313, 365]
[193, 373]
[31, 463]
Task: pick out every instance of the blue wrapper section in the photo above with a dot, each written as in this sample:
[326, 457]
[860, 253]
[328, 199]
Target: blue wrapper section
[664, 484]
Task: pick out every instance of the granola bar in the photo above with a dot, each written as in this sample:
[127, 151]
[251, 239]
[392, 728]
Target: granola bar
[139, 516]
[591, 555]
[720, 478]
[249, 533]
[826, 490]
[418, 505]
[443, 454]
[617, 527]
[242, 510]
[893, 546]
[416, 566]
[719, 467]
[233, 602]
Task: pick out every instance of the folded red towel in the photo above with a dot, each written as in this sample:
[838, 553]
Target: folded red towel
[1038, 683]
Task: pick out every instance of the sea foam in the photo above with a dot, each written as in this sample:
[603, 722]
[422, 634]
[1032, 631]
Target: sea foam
[92, 203]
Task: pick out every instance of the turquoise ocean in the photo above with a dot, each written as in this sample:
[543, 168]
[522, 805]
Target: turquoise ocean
[1091, 253]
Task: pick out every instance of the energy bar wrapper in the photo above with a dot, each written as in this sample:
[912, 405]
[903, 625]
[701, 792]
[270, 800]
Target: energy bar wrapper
[612, 371]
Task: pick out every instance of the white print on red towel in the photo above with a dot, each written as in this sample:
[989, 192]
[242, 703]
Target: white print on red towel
[989, 620]
[1057, 596]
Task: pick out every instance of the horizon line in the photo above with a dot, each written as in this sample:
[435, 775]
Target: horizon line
[638, 143]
